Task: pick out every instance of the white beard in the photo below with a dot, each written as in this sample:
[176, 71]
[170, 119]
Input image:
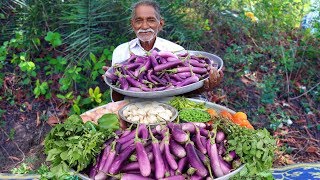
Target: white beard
[146, 37]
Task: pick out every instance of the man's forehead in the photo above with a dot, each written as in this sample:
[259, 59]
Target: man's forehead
[144, 11]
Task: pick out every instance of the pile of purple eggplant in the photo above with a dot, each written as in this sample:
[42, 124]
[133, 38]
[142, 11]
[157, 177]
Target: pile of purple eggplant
[172, 151]
[159, 71]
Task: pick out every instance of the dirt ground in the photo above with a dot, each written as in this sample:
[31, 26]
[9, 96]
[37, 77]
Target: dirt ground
[26, 121]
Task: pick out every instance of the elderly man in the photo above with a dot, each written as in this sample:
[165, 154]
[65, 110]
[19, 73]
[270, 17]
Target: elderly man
[146, 22]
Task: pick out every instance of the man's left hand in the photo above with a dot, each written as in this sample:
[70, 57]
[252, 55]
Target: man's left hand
[215, 78]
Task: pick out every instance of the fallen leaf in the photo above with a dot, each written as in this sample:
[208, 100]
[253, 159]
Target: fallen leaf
[246, 80]
[311, 149]
[14, 158]
[300, 121]
[28, 105]
[23, 117]
[38, 122]
[53, 120]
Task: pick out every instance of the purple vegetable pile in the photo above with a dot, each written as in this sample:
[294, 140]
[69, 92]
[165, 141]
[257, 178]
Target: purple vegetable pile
[159, 71]
[172, 151]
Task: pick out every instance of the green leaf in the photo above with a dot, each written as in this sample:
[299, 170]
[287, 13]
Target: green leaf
[64, 155]
[53, 38]
[93, 57]
[109, 122]
[260, 145]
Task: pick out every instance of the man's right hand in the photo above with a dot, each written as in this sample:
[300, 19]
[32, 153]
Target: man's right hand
[105, 68]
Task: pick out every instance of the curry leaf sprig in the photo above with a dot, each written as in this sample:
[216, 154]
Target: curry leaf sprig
[254, 147]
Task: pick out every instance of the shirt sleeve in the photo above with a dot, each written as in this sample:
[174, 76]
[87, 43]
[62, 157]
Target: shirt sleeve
[120, 53]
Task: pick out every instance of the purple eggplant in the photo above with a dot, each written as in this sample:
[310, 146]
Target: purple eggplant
[142, 156]
[230, 156]
[123, 83]
[94, 169]
[106, 166]
[118, 161]
[189, 80]
[158, 161]
[126, 138]
[203, 140]
[146, 66]
[226, 168]
[175, 177]
[188, 127]
[214, 157]
[132, 66]
[196, 177]
[131, 167]
[204, 132]
[150, 71]
[194, 159]
[196, 70]
[168, 65]
[182, 164]
[104, 156]
[169, 157]
[221, 148]
[220, 136]
[153, 60]
[179, 135]
[126, 144]
[184, 75]
[196, 63]
[199, 144]
[167, 54]
[200, 125]
[111, 76]
[127, 176]
[177, 149]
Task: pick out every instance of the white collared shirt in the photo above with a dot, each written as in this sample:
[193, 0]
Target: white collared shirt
[122, 52]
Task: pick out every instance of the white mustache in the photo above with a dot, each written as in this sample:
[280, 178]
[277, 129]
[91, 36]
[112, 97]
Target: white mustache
[145, 30]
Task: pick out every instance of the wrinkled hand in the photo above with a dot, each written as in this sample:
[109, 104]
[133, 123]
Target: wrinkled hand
[214, 80]
[105, 68]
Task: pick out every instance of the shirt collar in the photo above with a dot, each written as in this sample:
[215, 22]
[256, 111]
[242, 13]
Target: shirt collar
[135, 42]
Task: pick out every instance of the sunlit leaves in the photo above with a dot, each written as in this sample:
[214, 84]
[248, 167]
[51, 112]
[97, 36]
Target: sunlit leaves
[54, 38]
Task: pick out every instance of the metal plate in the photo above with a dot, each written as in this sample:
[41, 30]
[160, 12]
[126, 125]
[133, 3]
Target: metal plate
[170, 92]
[217, 107]
[166, 106]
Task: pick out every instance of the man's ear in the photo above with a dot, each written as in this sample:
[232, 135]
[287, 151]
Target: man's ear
[161, 23]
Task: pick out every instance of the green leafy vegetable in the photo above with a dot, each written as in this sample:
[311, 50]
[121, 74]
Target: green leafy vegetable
[254, 147]
[180, 102]
[75, 144]
[109, 122]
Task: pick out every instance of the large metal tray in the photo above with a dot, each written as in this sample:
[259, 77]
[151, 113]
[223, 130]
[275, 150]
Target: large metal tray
[170, 92]
[207, 104]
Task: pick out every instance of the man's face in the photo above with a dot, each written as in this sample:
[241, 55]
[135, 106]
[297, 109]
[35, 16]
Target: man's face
[145, 23]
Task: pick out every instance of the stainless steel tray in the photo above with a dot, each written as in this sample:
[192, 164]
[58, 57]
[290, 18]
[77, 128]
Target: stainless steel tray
[170, 92]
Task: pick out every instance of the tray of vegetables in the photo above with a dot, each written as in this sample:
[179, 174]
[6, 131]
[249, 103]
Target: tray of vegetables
[225, 146]
[161, 74]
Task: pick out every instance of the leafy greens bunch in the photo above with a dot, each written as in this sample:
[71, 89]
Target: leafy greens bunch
[181, 102]
[74, 144]
[254, 147]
